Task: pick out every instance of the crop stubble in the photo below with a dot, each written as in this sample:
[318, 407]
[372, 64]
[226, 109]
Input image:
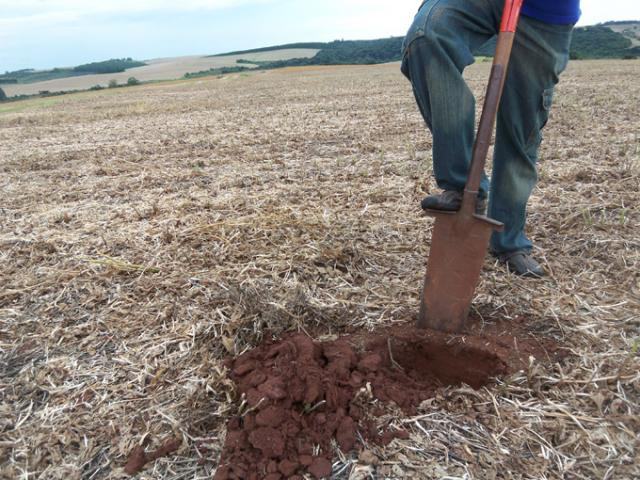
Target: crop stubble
[148, 233]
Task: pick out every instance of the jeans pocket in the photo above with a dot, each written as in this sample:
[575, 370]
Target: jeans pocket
[547, 102]
[419, 23]
[542, 117]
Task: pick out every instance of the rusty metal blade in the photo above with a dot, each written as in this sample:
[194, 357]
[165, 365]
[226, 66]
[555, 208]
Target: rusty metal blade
[458, 247]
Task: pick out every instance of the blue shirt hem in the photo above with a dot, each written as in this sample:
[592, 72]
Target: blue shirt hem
[547, 18]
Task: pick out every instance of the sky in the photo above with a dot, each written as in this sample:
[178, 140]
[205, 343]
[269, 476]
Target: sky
[57, 33]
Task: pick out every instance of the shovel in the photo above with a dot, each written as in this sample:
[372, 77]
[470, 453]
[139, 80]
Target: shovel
[460, 239]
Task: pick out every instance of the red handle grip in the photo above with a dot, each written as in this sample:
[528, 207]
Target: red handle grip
[510, 15]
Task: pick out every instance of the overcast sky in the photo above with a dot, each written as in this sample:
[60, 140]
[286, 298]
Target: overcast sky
[55, 33]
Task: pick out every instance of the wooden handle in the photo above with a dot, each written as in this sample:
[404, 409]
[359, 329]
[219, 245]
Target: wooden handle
[510, 17]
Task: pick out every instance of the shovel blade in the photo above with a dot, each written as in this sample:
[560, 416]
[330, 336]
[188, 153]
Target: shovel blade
[459, 245]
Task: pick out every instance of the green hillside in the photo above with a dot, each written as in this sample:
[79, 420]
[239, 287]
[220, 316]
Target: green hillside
[611, 40]
[338, 52]
[346, 52]
[600, 41]
[593, 42]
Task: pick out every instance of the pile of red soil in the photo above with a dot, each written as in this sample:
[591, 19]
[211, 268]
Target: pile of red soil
[300, 394]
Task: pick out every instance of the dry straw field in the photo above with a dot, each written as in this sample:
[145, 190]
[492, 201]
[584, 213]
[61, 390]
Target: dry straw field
[147, 234]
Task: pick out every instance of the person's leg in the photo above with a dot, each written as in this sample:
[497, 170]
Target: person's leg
[540, 53]
[437, 49]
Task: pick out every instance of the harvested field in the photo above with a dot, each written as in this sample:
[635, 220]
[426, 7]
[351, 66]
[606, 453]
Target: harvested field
[151, 237]
[157, 69]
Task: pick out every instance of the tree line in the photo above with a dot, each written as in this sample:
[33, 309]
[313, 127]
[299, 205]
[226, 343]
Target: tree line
[114, 65]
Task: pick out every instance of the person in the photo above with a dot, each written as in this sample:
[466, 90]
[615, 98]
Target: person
[439, 45]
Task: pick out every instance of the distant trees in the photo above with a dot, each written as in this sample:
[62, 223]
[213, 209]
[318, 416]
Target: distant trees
[620, 22]
[360, 51]
[344, 52]
[113, 83]
[115, 65]
[596, 41]
[215, 71]
[355, 52]
[588, 42]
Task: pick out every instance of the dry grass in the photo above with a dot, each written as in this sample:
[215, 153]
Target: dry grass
[147, 233]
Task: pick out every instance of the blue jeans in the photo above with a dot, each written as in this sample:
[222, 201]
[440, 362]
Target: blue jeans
[436, 50]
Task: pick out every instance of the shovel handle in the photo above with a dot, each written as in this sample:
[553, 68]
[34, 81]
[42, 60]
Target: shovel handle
[508, 25]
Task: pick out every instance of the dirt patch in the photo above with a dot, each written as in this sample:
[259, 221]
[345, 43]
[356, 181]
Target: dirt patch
[298, 394]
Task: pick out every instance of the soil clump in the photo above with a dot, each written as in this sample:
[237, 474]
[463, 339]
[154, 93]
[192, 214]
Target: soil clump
[300, 395]
[138, 458]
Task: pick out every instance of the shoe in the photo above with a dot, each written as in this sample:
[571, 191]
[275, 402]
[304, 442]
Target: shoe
[450, 201]
[521, 263]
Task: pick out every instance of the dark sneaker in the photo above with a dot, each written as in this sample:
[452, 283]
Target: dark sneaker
[521, 263]
[450, 201]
